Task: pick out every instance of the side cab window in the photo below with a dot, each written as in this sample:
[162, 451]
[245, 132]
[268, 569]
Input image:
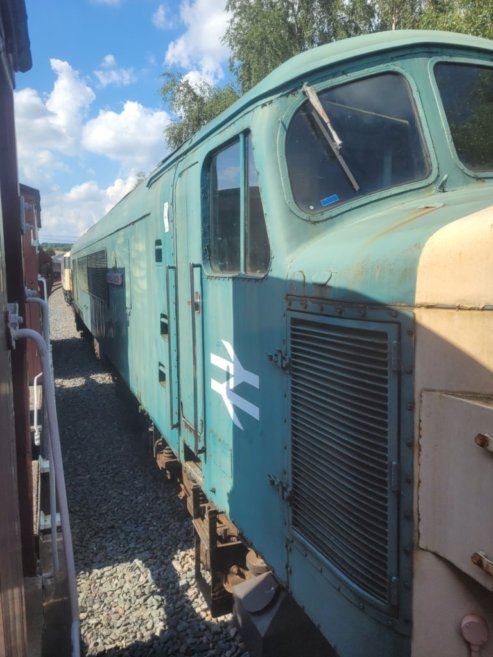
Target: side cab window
[236, 236]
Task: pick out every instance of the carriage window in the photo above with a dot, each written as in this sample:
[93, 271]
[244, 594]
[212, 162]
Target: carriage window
[467, 95]
[257, 250]
[238, 240]
[225, 210]
[82, 273]
[381, 143]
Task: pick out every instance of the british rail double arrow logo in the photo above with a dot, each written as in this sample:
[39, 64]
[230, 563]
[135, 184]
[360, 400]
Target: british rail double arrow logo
[237, 375]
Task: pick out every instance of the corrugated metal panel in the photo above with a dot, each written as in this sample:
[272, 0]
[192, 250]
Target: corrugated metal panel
[342, 420]
[96, 275]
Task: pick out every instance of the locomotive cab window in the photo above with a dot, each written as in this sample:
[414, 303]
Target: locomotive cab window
[467, 96]
[372, 141]
[237, 236]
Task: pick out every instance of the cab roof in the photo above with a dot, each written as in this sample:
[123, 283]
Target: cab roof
[331, 54]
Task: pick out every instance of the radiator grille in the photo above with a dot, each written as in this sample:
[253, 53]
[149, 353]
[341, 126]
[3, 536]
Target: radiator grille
[340, 446]
[96, 275]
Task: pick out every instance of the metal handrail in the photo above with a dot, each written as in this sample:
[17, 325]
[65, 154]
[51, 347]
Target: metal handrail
[30, 298]
[56, 452]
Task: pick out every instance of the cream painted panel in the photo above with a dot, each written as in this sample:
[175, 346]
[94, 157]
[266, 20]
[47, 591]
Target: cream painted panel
[454, 350]
[456, 265]
[456, 481]
[442, 596]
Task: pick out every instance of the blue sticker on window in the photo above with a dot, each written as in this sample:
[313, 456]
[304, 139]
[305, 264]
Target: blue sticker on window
[329, 200]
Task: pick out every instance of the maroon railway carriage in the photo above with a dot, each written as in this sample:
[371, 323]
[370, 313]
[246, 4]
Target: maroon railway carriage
[17, 549]
[23, 634]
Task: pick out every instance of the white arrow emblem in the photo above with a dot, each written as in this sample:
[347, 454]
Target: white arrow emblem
[237, 374]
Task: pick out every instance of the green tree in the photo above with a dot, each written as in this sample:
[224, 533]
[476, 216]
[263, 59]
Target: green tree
[193, 105]
[264, 33]
[397, 14]
[467, 16]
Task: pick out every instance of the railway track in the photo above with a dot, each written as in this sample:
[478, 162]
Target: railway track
[132, 537]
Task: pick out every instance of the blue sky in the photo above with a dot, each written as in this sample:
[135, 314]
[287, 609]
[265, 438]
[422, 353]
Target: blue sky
[89, 115]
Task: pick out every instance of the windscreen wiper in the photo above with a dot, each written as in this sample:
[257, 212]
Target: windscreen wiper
[328, 132]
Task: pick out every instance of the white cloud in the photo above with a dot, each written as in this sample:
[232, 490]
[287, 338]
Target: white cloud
[109, 74]
[67, 105]
[55, 136]
[34, 122]
[160, 18]
[121, 77]
[108, 61]
[201, 46]
[196, 78]
[48, 130]
[134, 137]
[71, 213]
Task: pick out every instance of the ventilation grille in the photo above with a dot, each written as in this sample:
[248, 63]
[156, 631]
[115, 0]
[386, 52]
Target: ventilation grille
[340, 446]
[96, 275]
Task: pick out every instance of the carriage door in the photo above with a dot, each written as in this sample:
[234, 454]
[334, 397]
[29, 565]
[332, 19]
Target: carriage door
[190, 308]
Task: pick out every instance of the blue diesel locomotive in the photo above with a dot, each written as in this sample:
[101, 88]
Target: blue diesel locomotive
[300, 298]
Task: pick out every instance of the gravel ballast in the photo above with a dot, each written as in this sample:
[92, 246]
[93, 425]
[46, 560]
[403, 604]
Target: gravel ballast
[132, 536]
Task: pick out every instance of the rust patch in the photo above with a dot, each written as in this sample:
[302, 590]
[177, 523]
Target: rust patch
[417, 214]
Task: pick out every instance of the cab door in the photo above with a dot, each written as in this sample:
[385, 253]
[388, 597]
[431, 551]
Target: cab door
[190, 308]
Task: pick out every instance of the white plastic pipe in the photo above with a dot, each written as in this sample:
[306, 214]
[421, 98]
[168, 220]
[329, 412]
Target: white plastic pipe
[45, 312]
[37, 433]
[53, 510]
[57, 465]
[43, 282]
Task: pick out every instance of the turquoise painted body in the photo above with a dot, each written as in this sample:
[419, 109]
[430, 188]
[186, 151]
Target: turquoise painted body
[178, 331]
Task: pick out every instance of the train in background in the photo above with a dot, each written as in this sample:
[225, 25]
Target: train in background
[300, 298]
[29, 569]
[66, 277]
